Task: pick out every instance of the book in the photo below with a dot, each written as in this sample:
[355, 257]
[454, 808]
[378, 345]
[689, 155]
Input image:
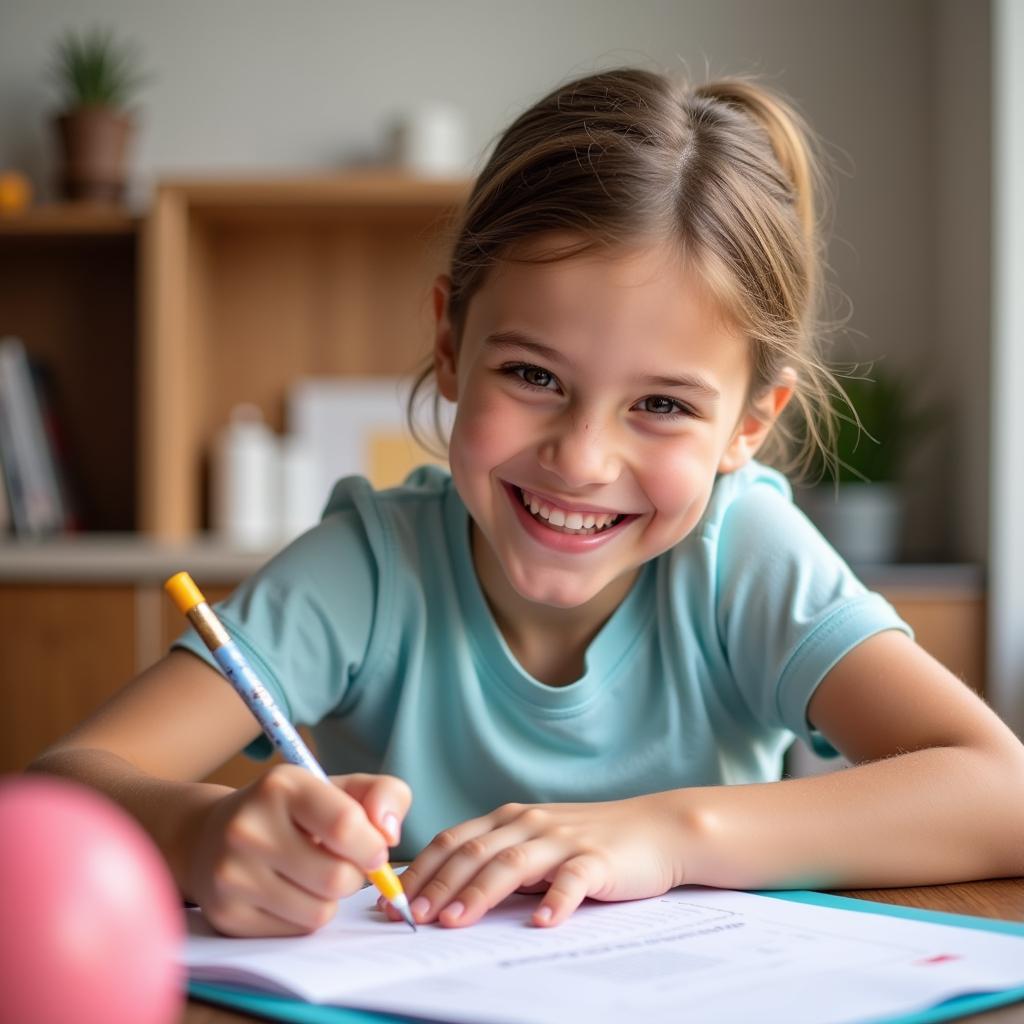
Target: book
[5, 505]
[28, 458]
[693, 954]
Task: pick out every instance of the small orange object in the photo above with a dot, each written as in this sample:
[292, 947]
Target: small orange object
[15, 192]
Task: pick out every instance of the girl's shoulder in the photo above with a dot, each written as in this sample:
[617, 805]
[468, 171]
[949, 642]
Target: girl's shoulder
[753, 485]
[405, 528]
[424, 485]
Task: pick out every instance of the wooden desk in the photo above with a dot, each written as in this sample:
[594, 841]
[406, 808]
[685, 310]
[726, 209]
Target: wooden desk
[1003, 898]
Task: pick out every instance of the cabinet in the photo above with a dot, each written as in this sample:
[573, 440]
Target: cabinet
[226, 291]
[68, 289]
[247, 286]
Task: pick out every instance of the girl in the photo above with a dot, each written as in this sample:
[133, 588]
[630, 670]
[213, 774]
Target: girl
[587, 649]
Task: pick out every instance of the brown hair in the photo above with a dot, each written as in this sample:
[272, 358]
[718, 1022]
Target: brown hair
[725, 170]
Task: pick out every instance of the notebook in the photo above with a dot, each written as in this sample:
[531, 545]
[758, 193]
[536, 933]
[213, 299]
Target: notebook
[721, 955]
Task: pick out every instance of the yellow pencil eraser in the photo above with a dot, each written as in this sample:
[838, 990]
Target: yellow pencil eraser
[184, 592]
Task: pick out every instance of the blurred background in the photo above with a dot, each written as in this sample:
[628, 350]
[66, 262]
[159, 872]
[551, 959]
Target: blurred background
[256, 276]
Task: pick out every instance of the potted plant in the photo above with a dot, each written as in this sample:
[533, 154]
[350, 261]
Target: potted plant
[97, 77]
[857, 502]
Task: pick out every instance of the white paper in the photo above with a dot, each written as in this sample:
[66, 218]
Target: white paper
[335, 418]
[694, 954]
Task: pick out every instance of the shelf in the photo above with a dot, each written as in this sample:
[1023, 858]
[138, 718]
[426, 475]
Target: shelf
[379, 193]
[61, 220]
[129, 557]
[123, 558]
[68, 291]
[251, 284]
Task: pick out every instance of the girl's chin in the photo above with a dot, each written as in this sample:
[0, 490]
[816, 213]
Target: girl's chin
[553, 593]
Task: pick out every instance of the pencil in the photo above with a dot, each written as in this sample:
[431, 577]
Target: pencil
[190, 601]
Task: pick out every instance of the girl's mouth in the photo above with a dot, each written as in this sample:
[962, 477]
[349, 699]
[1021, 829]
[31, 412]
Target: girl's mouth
[585, 524]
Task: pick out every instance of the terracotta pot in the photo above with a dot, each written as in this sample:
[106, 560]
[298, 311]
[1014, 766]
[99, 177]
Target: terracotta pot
[94, 149]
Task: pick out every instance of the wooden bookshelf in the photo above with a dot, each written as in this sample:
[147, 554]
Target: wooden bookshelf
[248, 285]
[69, 219]
[68, 289]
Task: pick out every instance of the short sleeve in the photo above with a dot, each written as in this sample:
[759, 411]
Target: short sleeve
[306, 620]
[788, 608]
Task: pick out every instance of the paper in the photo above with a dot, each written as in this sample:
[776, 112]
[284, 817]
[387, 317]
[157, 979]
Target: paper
[356, 425]
[694, 954]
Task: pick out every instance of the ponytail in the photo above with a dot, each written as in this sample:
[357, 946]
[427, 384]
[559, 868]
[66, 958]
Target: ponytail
[788, 135]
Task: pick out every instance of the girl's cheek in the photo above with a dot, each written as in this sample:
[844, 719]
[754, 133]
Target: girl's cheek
[488, 428]
[678, 481]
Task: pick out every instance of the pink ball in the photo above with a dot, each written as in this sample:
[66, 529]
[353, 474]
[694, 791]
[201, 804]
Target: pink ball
[90, 919]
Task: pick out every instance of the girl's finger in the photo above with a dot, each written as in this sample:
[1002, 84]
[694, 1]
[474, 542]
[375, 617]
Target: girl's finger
[246, 921]
[436, 853]
[577, 878]
[453, 880]
[312, 867]
[510, 869]
[281, 898]
[385, 798]
[286, 909]
[336, 820]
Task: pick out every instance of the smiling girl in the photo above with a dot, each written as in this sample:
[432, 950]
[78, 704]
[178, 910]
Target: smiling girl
[586, 650]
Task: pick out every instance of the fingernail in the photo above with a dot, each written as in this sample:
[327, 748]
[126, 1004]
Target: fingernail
[454, 909]
[391, 827]
[543, 915]
[380, 903]
[420, 907]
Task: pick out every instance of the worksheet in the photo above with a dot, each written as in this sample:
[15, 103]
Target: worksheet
[694, 954]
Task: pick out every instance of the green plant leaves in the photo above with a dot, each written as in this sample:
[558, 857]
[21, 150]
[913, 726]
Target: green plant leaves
[93, 69]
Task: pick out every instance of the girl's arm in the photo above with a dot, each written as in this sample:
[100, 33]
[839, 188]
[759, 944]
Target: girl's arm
[270, 859]
[936, 795]
[147, 747]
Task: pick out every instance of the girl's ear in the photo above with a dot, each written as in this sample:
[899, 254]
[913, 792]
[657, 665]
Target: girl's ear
[757, 421]
[445, 356]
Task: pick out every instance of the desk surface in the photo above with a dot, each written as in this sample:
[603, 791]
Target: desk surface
[1002, 898]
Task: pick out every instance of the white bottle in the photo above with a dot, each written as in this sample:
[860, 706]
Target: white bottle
[245, 481]
[301, 500]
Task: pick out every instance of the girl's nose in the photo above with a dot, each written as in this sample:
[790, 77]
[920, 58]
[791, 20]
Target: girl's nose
[580, 454]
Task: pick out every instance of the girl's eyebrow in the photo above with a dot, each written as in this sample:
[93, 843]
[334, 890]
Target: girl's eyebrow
[519, 340]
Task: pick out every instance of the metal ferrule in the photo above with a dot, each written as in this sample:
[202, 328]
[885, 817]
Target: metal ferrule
[208, 626]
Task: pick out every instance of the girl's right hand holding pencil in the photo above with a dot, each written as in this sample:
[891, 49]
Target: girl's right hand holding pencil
[275, 857]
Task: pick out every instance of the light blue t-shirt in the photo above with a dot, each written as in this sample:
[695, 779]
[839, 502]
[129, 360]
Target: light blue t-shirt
[373, 629]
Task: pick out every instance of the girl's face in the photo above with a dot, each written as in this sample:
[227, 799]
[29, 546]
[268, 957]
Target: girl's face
[598, 397]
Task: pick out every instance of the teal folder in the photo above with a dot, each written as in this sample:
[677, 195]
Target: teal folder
[287, 1009]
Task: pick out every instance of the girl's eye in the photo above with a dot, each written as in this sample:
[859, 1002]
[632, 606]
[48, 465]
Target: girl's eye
[661, 405]
[531, 376]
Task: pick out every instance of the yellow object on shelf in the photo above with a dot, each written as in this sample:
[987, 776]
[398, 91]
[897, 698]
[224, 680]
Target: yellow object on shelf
[15, 192]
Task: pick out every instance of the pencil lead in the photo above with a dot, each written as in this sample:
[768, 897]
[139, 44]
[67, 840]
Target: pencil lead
[401, 904]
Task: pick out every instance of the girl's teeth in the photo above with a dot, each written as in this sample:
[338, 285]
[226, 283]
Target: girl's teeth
[568, 522]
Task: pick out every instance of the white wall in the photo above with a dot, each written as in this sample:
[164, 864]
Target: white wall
[269, 85]
[1006, 595]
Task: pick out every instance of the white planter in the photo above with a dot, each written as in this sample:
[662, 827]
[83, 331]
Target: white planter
[863, 522]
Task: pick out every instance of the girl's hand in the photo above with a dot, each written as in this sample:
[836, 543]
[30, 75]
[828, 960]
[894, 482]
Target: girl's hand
[619, 850]
[275, 857]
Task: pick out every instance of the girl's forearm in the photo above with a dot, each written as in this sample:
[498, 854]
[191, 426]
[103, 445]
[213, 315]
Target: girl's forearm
[171, 812]
[938, 815]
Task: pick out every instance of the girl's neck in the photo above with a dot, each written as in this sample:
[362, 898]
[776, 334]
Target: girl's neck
[548, 642]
